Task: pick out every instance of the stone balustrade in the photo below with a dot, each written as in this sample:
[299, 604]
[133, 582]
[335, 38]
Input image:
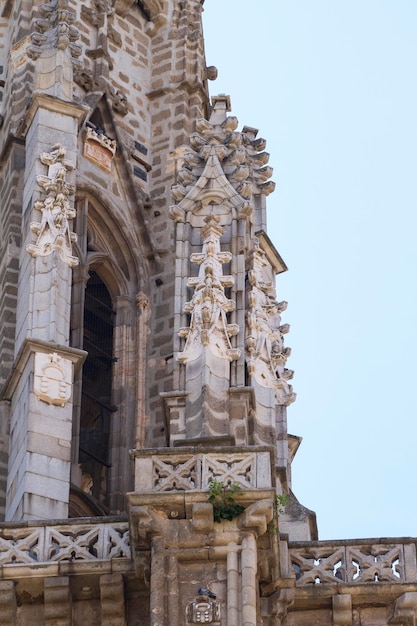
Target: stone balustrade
[313, 563]
[354, 561]
[35, 543]
[191, 469]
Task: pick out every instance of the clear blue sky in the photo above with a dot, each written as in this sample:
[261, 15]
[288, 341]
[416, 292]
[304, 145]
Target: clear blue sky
[331, 85]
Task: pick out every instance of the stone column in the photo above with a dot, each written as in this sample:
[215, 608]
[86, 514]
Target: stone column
[172, 589]
[233, 586]
[158, 584]
[249, 591]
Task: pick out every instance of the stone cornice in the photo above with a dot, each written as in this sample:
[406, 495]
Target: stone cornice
[54, 105]
[29, 347]
[271, 252]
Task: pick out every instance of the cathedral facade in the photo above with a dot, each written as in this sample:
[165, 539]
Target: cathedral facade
[144, 453]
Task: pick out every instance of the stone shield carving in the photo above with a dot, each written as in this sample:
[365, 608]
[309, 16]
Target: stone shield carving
[203, 611]
[53, 378]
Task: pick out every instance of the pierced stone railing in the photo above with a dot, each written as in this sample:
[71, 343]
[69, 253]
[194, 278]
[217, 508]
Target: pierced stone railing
[36, 542]
[354, 561]
[189, 469]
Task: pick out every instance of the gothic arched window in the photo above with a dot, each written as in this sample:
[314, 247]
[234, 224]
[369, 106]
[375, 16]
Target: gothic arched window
[106, 323]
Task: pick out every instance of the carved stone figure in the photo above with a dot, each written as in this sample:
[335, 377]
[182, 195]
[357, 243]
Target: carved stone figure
[53, 231]
[209, 305]
[266, 355]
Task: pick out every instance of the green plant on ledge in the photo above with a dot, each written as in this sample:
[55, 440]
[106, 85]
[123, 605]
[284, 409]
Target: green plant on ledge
[222, 497]
[281, 500]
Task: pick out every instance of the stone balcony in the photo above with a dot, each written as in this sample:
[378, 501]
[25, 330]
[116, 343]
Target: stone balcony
[58, 547]
[92, 556]
[191, 468]
[354, 561]
[367, 581]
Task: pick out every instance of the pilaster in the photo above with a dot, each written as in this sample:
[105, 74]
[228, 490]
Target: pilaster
[40, 395]
[40, 387]
[46, 261]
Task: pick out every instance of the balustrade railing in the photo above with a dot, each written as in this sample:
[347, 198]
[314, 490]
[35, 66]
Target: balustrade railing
[354, 562]
[179, 471]
[57, 542]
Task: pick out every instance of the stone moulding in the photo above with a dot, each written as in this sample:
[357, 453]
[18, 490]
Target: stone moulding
[35, 346]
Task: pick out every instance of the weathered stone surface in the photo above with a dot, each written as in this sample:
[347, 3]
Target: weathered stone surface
[107, 132]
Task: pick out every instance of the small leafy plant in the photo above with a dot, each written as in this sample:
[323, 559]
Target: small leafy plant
[281, 500]
[223, 500]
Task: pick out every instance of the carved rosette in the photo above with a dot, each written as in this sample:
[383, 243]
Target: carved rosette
[53, 232]
[266, 355]
[55, 29]
[209, 305]
[53, 378]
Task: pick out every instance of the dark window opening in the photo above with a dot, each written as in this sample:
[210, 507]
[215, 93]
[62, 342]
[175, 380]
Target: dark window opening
[96, 408]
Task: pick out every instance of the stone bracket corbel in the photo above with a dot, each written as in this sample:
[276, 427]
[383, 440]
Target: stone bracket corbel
[284, 600]
[202, 517]
[342, 610]
[257, 516]
[403, 610]
[145, 524]
[58, 600]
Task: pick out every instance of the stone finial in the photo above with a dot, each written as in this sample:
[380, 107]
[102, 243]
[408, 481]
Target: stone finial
[55, 29]
[228, 161]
